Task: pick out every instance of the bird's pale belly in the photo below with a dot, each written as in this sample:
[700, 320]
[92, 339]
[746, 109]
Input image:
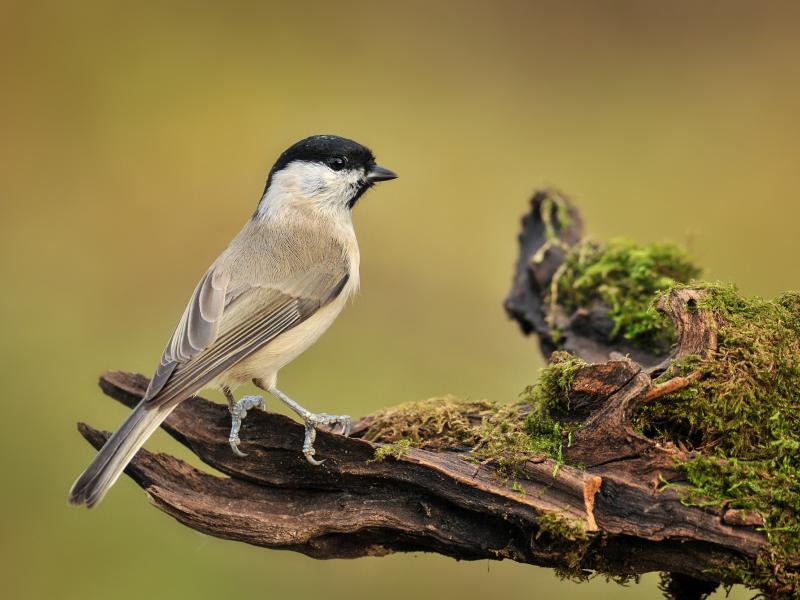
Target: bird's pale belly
[266, 363]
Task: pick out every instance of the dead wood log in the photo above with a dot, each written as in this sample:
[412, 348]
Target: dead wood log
[612, 514]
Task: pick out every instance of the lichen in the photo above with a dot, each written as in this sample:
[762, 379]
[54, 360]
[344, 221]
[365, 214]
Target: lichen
[626, 277]
[741, 421]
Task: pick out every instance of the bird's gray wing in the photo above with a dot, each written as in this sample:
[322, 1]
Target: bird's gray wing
[230, 317]
[197, 328]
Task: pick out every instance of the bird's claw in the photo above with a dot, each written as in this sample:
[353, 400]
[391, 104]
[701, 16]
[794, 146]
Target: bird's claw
[312, 421]
[347, 424]
[247, 402]
[238, 412]
[310, 458]
[234, 441]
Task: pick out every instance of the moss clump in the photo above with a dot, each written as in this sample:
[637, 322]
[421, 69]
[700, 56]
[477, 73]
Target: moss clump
[554, 212]
[742, 418]
[555, 382]
[396, 449]
[506, 440]
[750, 390]
[546, 436]
[505, 436]
[560, 527]
[491, 433]
[625, 276]
[435, 424]
[551, 393]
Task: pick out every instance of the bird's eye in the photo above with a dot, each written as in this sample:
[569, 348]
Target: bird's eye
[338, 163]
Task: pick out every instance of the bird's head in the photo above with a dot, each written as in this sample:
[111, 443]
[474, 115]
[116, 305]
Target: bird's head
[326, 171]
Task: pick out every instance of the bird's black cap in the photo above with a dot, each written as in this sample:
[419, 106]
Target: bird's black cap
[338, 153]
[321, 148]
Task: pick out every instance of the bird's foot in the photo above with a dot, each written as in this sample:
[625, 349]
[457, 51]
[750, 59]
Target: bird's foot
[238, 412]
[314, 420]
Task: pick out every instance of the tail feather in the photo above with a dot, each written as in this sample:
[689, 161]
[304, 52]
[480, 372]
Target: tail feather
[115, 455]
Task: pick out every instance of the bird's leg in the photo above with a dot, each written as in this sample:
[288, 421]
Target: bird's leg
[238, 412]
[312, 421]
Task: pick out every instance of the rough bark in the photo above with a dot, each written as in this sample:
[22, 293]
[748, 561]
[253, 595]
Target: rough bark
[611, 515]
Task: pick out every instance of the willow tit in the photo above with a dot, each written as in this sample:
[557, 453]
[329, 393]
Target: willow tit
[271, 294]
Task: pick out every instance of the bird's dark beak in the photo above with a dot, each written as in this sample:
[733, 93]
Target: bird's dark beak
[377, 173]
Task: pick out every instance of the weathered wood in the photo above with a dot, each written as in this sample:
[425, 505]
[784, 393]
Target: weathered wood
[542, 249]
[445, 502]
[436, 501]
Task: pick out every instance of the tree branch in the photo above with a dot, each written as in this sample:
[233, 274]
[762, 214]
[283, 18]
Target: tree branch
[613, 514]
[436, 501]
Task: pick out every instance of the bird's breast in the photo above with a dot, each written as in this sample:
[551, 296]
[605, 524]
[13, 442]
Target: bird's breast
[266, 362]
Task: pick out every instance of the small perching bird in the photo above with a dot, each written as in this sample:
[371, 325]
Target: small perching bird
[272, 293]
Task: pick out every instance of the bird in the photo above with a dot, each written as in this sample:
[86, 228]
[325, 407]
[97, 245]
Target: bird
[275, 289]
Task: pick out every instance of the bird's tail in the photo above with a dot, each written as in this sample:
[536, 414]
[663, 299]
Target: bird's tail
[115, 455]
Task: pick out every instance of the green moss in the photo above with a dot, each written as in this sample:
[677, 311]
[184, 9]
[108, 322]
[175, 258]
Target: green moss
[555, 382]
[396, 449]
[491, 433]
[554, 212]
[560, 527]
[435, 424]
[575, 542]
[546, 436]
[625, 276]
[505, 436]
[551, 393]
[742, 420]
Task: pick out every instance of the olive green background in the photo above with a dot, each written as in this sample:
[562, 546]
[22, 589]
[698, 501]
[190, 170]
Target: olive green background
[135, 141]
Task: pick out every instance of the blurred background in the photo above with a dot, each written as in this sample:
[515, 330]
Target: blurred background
[136, 138]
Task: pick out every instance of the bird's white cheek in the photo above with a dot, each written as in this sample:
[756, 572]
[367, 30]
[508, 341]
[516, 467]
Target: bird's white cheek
[337, 187]
[313, 185]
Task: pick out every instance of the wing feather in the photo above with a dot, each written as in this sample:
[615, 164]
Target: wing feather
[235, 310]
[279, 314]
[196, 329]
